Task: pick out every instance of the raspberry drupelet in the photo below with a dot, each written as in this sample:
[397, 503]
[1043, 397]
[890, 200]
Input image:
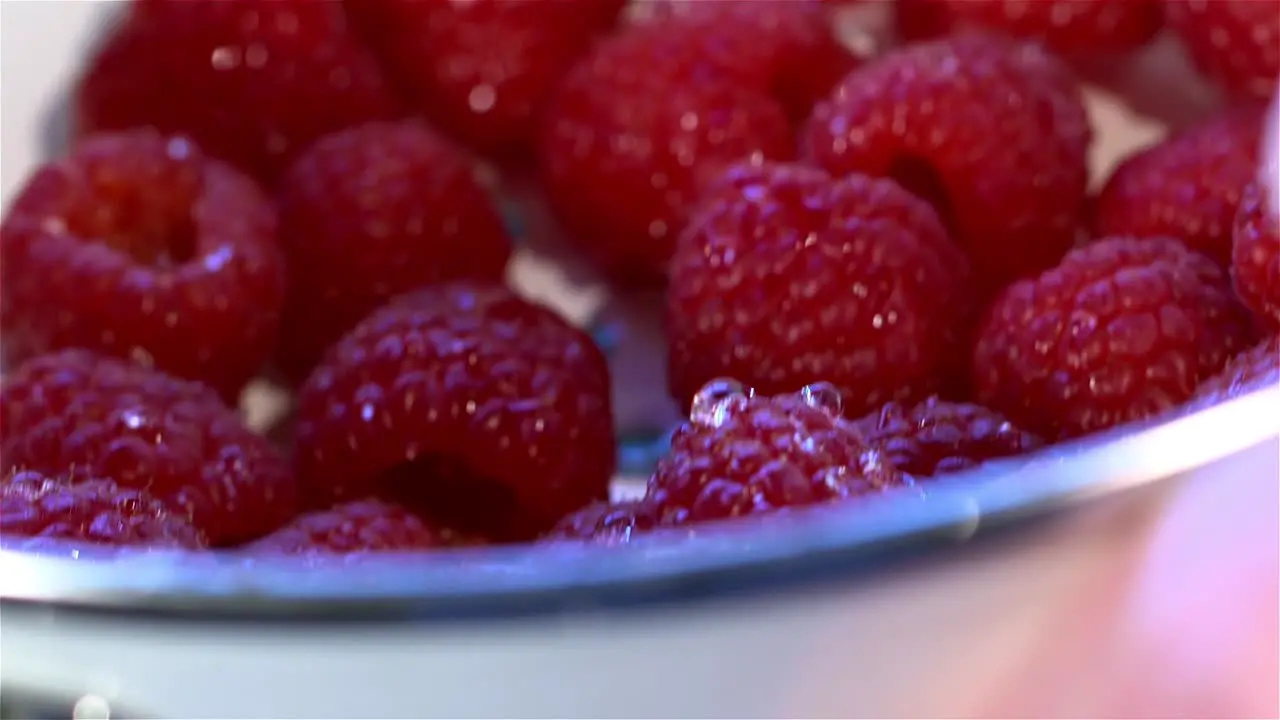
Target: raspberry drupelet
[478, 410]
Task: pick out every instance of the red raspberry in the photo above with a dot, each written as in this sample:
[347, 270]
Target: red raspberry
[1235, 42]
[482, 70]
[473, 407]
[785, 47]
[109, 418]
[35, 505]
[1187, 187]
[992, 132]
[1255, 259]
[1255, 368]
[369, 213]
[785, 276]
[1121, 330]
[936, 437]
[743, 454]
[355, 527]
[606, 523]
[1070, 27]
[137, 246]
[253, 81]
[635, 128]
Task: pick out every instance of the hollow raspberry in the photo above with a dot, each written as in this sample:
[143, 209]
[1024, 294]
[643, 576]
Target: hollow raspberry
[606, 523]
[369, 213]
[1255, 368]
[137, 246]
[1121, 330]
[785, 275]
[36, 505]
[1235, 42]
[1070, 27]
[107, 418]
[356, 527]
[474, 408]
[483, 70]
[252, 81]
[935, 436]
[1187, 187]
[990, 131]
[1255, 258]
[745, 454]
[632, 132]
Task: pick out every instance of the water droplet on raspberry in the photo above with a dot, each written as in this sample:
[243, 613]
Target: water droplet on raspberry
[824, 396]
[711, 403]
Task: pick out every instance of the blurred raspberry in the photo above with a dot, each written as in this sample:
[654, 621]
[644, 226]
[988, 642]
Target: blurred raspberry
[1121, 330]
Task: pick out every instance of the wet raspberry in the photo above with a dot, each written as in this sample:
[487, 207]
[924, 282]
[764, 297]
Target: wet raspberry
[476, 409]
[1255, 258]
[137, 246]
[100, 417]
[785, 274]
[936, 437]
[372, 212]
[993, 133]
[741, 455]
[1121, 330]
[35, 505]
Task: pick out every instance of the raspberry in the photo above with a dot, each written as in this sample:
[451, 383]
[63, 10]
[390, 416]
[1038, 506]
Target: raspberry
[137, 246]
[369, 213]
[252, 81]
[476, 409]
[1187, 187]
[482, 70]
[785, 47]
[145, 430]
[359, 526]
[1235, 42]
[1255, 259]
[1071, 27]
[1121, 330]
[785, 275]
[1255, 368]
[35, 505]
[606, 523]
[743, 454]
[936, 437]
[633, 131]
[992, 132]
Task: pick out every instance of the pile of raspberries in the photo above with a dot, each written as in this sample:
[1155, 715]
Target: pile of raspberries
[879, 268]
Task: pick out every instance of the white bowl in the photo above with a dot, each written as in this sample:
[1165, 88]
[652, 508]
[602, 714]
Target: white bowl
[904, 609]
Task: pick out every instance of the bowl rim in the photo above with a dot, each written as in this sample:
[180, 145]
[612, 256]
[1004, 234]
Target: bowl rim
[817, 545]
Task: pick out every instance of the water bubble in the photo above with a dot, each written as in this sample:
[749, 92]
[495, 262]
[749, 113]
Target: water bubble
[824, 396]
[711, 403]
